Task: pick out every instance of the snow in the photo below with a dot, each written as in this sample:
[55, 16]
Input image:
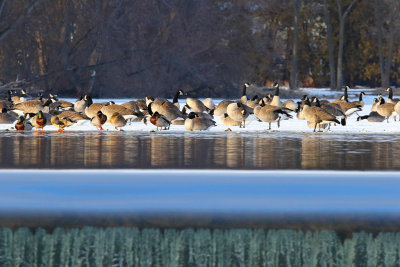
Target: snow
[292, 125]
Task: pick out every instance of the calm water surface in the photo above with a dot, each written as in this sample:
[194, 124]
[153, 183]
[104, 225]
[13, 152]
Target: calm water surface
[276, 150]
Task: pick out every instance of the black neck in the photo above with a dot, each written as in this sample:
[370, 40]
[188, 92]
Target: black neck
[175, 99]
[390, 93]
[149, 109]
[244, 90]
[360, 98]
[48, 102]
[277, 90]
[9, 95]
[317, 102]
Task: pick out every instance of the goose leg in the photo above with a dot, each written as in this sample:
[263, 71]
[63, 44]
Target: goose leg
[315, 127]
[269, 126]
[279, 122]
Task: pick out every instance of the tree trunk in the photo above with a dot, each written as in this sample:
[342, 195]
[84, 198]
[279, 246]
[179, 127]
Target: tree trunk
[295, 49]
[332, 71]
[342, 20]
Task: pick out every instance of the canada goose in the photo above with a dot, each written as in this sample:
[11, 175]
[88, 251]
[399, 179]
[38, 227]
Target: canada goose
[331, 108]
[237, 112]
[372, 117]
[194, 123]
[348, 108]
[31, 106]
[390, 98]
[132, 105]
[110, 109]
[221, 107]
[276, 101]
[360, 100]
[199, 114]
[39, 121]
[81, 104]
[65, 105]
[397, 108]
[61, 122]
[253, 102]
[141, 104]
[385, 109]
[167, 109]
[117, 120]
[317, 116]
[196, 105]
[98, 120]
[243, 98]
[20, 98]
[73, 116]
[375, 105]
[7, 118]
[227, 121]
[290, 104]
[271, 114]
[4, 104]
[176, 98]
[208, 102]
[160, 121]
[22, 124]
[93, 109]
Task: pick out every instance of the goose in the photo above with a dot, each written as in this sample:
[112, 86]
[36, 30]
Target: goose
[199, 114]
[237, 112]
[372, 117]
[167, 109]
[209, 103]
[160, 121]
[176, 98]
[98, 120]
[22, 124]
[227, 121]
[269, 113]
[397, 108]
[83, 102]
[253, 102]
[390, 98]
[39, 121]
[20, 98]
[385, 109]
[196, 105]
[132, 105]
[31, 106]
[317, 116]
[7, 118]
[194, 123]
[331, 108]
[4, 104]
[73, 116]
[243, 98]
[276, 101]
[348, 108]
[112, 108]
[65, 105]
[375, 105]
[290, 104]
[360, 100]
[117, 120]
[94, 108]
[61, 122]
[221, 107]
[141, 104]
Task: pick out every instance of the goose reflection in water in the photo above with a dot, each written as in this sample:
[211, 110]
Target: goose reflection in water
[193, 150]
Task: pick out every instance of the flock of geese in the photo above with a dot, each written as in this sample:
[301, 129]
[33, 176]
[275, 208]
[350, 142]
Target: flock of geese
[195, 115]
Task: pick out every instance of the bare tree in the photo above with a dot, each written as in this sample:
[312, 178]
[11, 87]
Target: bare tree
[386, 30]
[332, 72]
[342, 19]
[295, 48]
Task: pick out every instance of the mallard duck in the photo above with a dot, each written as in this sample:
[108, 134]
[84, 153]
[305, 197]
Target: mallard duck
[22, 124]
[39, 121]
[98, 120]
[160, 121]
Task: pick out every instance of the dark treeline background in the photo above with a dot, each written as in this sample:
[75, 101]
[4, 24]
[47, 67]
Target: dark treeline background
[208, 48]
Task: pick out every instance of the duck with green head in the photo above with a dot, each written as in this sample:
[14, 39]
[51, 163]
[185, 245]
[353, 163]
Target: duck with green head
[22, 124]
[39, 121]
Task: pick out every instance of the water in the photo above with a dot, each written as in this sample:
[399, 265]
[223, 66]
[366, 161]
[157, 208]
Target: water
[189, 247]
[181, 150]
